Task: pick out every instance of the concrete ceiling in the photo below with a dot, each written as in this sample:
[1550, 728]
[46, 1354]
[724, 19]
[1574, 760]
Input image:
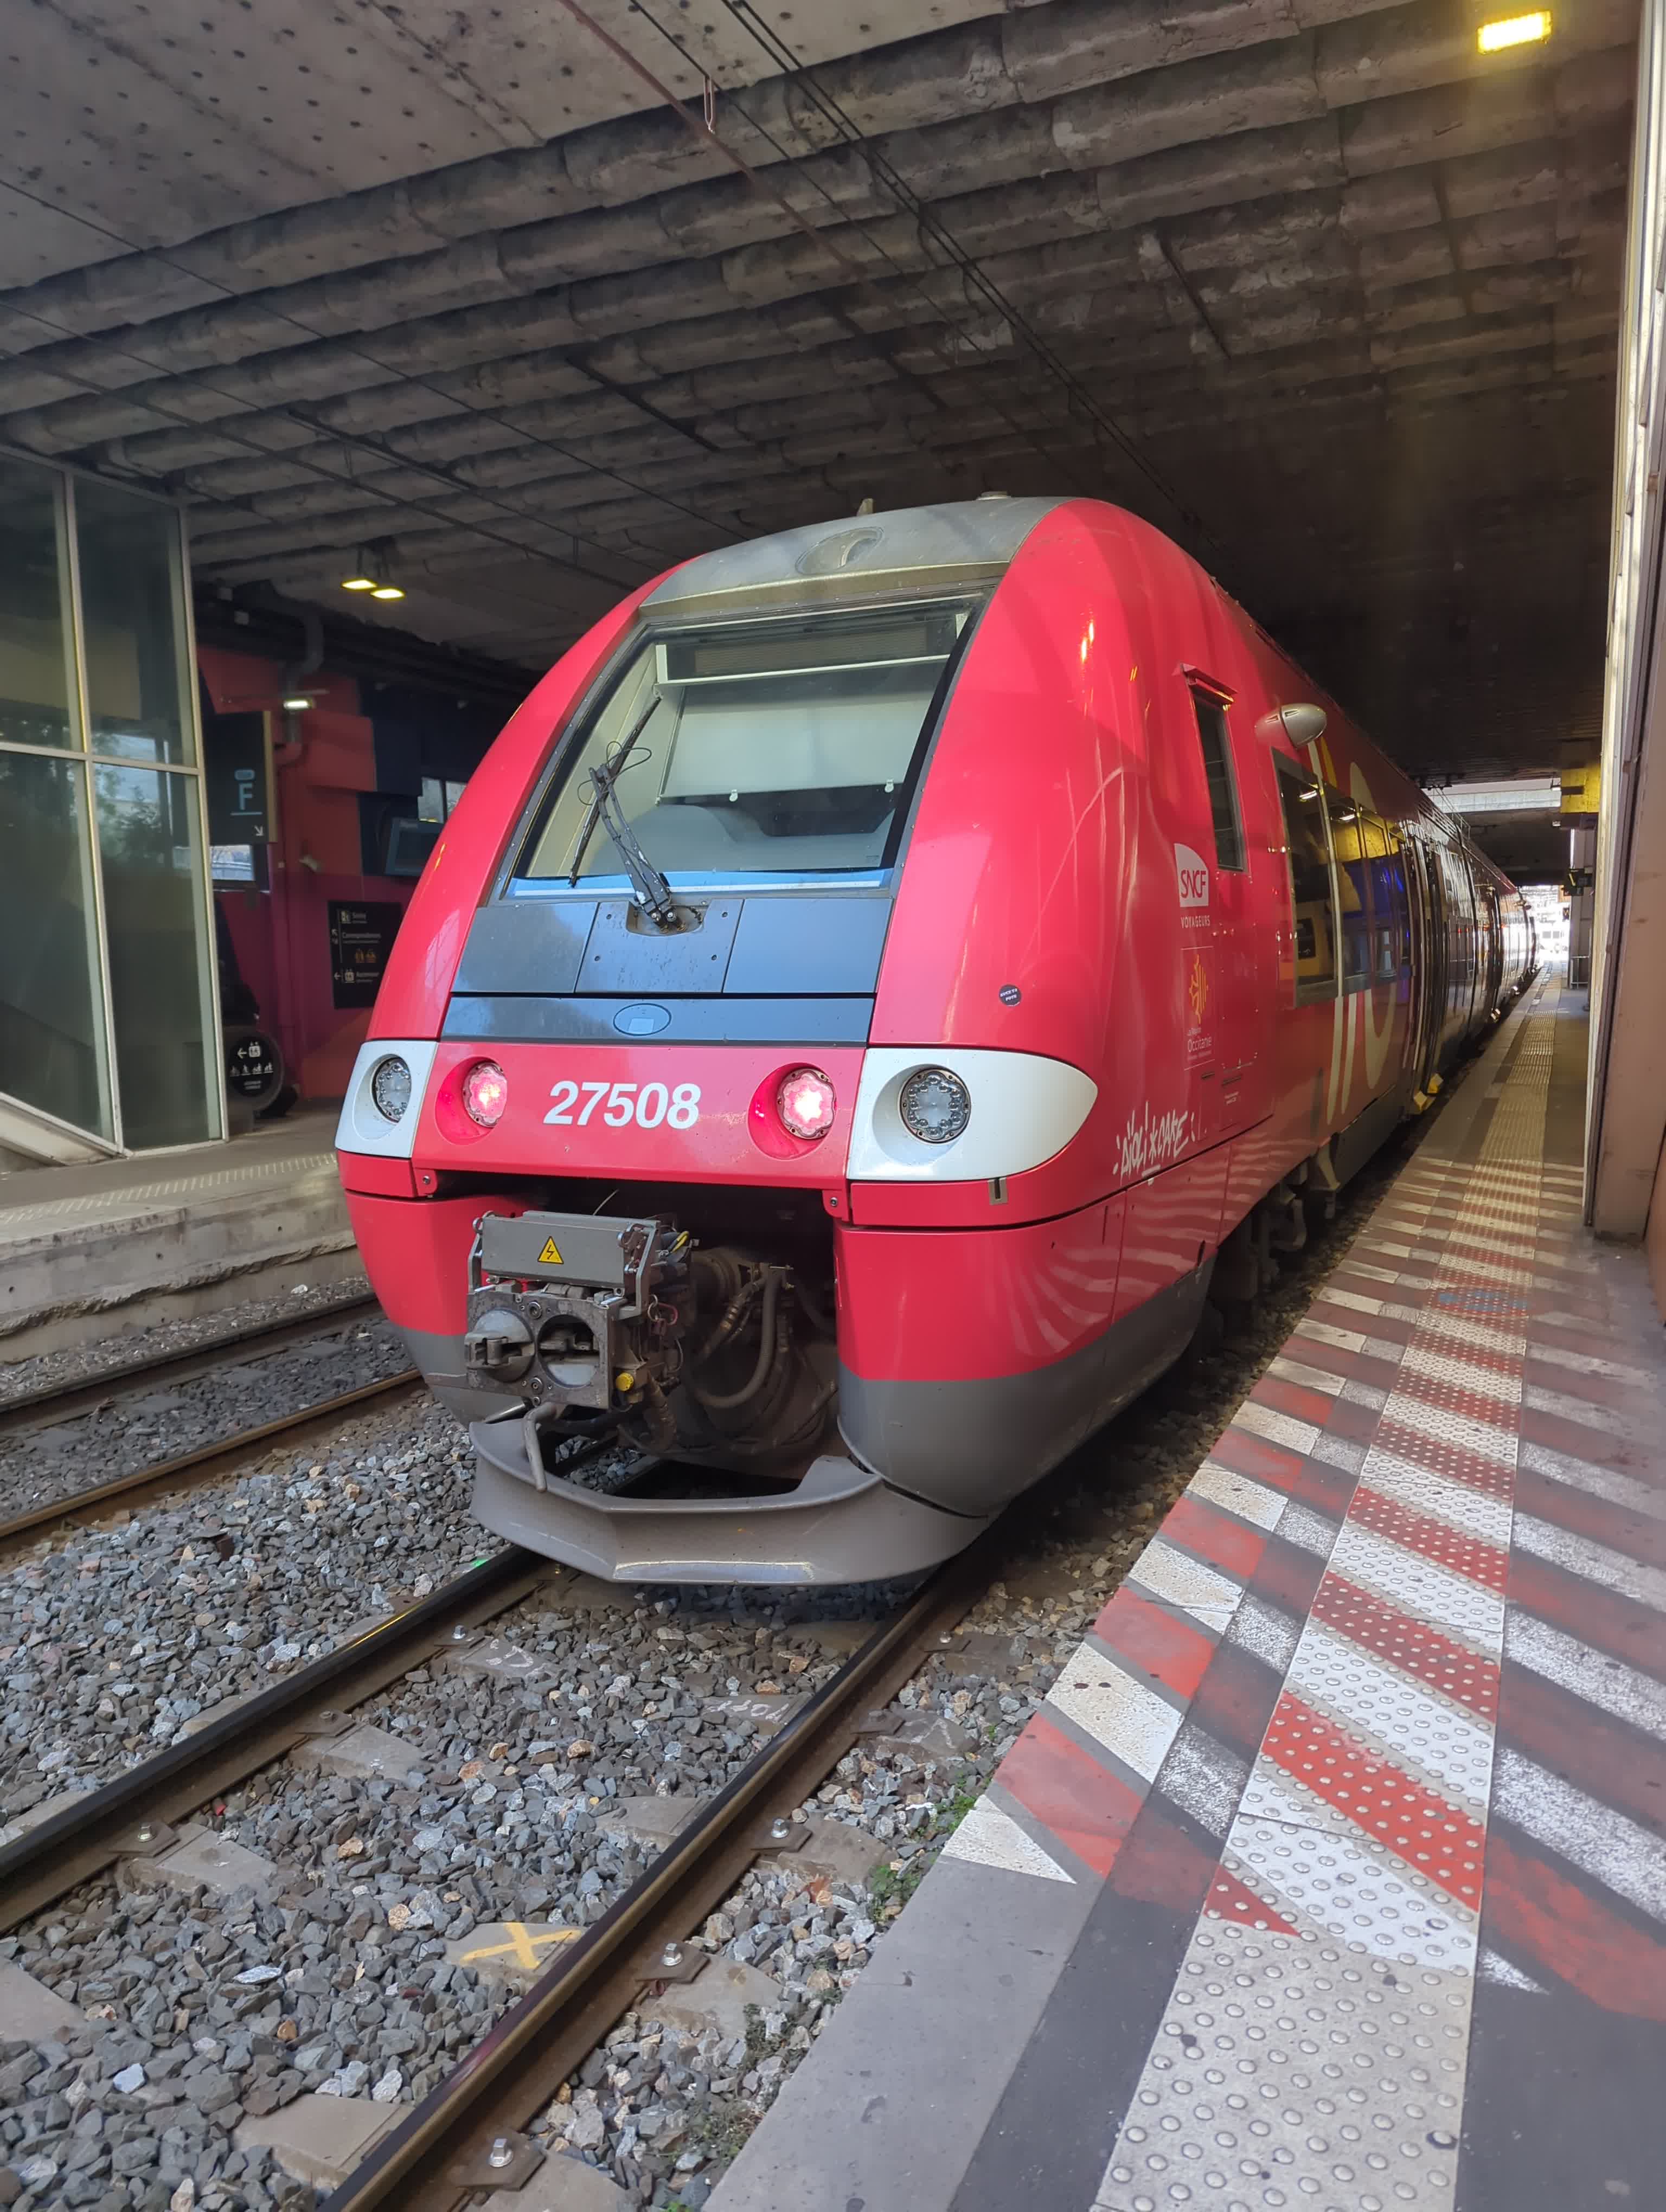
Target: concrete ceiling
[1309, 283]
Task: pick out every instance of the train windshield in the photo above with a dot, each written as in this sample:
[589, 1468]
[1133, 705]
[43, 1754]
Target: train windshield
[791, 746]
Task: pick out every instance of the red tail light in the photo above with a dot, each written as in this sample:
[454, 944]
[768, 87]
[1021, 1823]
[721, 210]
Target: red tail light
[804, 1102]
[485, 1093]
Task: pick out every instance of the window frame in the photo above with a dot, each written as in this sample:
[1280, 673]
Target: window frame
[567, 740]
[1206, 694]
[1310, 990]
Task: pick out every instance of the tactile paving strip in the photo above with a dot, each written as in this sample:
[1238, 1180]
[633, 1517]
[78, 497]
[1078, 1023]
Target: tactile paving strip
[1483, 1514]
[1313, 2050]
[1360, 1790]
[1452, 1748]
[1408, 1644]
[1437, 1541]
[1293, 2074]
[1446, 1601]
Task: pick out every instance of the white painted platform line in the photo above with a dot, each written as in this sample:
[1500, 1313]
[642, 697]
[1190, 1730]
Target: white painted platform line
[1350, 1892]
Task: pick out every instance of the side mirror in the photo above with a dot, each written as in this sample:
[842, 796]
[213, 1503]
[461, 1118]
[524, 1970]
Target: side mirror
[1300, 722]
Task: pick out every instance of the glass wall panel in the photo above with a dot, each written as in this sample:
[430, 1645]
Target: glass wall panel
[133, 620]
[149, 853]
[36, 691]
[51, 1017]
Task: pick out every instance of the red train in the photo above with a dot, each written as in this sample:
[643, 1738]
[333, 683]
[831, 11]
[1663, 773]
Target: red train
[879, 985]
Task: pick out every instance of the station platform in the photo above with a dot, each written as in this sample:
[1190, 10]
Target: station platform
[91, 1250]
[1331, 1873]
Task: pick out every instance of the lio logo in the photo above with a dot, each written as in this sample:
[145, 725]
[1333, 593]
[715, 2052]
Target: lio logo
[1192, 873]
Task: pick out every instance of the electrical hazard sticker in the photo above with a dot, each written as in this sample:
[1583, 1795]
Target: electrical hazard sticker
[549, 1257]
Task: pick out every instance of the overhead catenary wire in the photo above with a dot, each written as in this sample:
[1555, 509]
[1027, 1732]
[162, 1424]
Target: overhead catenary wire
[706, 134]
[932, 227]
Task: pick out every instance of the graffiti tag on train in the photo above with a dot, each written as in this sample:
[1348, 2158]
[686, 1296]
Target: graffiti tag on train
[1151, 1142]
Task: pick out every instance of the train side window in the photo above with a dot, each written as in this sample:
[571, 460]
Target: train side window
[1309, 855]
[1387, 899]
[1348, 842]
[1211, 712]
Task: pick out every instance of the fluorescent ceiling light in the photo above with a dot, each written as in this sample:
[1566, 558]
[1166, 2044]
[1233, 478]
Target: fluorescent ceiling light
[1538, 794]
[1513, 31]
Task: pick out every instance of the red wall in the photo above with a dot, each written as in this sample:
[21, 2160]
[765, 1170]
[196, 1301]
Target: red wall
[282, 936]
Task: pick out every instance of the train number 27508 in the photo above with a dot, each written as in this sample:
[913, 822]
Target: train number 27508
[647, 1104]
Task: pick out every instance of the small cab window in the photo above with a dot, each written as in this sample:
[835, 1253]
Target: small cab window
[1211, 711]
[1309, 855]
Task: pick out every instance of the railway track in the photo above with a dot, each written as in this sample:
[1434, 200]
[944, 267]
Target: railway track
[468, 2133]
[33, 1409]
[133, 1814]
[75, 1509]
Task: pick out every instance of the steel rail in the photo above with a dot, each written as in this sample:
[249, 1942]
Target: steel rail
[443, 2149]
[131, 1816]
[77, 1506]
[37, 1408]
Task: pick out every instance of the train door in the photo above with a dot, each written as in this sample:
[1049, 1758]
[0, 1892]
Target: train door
[1461, 940]
[1428, 963]
[1308, 966]
[1223, 982]
[1492, 988]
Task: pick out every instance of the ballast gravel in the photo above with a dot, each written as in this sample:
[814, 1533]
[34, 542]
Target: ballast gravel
[136, 1426]
[113, 1637]
[84, 1363]
[347, 1978]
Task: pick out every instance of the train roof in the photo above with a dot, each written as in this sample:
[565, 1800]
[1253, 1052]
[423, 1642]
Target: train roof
[912, 549]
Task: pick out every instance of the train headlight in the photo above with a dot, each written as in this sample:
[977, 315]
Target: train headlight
[935, 1106]
[390, 1087]
[485, 1093]
[805, 1103]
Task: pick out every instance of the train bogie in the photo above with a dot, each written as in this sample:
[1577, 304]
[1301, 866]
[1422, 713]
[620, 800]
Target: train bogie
[880, 982]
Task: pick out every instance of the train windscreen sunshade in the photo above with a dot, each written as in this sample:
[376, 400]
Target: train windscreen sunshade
[791, 744]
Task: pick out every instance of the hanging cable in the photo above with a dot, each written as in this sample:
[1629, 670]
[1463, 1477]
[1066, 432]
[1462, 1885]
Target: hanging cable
[932, 227]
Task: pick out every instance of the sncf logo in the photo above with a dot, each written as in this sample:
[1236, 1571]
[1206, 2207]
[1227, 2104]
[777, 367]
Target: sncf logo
[1193, 877]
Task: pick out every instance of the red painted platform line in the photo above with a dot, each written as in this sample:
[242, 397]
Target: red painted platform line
[1582, 1513]
[1087, 1807]
[1602, 1618]
[1215, 1537]
[1614, 1762]
[1374, 1369]
[1295, 1399]
[1537, 1911]
[1151, 1639]
[1606, 1395]
[1579, 1440]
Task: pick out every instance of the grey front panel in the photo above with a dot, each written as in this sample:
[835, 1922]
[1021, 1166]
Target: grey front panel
[626, 952]
[971, 1446]
[764, 945]
[817, 942]
[690, 1021]
[527, 944]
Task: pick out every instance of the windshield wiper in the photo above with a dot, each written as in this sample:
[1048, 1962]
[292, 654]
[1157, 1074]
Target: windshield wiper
[648, 888]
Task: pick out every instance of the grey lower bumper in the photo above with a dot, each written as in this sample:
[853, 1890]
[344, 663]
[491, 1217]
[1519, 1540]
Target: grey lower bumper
[840, 1524]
